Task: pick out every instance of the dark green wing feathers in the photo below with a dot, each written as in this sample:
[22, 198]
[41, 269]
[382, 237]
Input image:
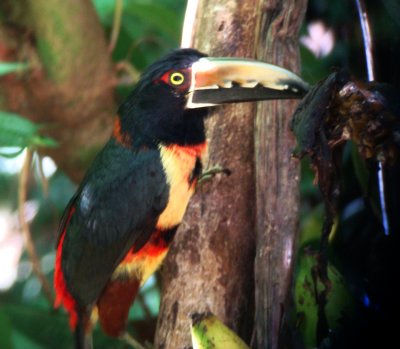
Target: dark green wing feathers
[116, 207]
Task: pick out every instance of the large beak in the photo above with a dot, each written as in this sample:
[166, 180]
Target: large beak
[226, 80]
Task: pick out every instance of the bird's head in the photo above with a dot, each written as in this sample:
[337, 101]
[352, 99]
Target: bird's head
[174, 94]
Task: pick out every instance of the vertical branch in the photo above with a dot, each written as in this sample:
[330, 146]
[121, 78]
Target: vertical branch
[188, 24]
[30, 246]
[211, 263]
[277, 176]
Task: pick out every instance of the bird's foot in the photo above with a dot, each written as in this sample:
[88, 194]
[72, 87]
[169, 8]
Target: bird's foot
[132, 342]
[210, 173]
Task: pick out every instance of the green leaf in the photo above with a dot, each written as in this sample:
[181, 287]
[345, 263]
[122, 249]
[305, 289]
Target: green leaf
[16, 123]
[16, 131]
[5, 331]
[12, 67]
[157, 16]
[339, 300]
[140, 16]
[45, 327]
[12, 154]
[105, 10]
[20, 341]
[42, 141]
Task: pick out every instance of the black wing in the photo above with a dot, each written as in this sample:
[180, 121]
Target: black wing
[116, 207]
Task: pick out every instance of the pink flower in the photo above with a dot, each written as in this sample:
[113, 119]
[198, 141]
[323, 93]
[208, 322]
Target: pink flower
[320, 40]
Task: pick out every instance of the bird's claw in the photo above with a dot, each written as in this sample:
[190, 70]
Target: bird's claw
[132, 342]
[211, 173]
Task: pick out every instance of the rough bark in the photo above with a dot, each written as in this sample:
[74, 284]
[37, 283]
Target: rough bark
[69, 86]
[210, 265]
[277, 177]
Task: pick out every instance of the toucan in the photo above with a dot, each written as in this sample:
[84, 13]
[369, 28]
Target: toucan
[118, 226]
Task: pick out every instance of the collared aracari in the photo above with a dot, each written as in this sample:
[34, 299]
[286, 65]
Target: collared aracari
[118, 226]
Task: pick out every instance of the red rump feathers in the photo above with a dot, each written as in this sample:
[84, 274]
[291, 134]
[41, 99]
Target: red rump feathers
[62, 295]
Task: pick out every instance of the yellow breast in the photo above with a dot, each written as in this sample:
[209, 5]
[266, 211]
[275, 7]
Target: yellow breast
[141, 266]
[179, 163]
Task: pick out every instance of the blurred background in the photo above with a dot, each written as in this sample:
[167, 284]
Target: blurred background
[363, 263]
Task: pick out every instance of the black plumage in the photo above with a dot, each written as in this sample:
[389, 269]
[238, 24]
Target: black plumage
[116, 207]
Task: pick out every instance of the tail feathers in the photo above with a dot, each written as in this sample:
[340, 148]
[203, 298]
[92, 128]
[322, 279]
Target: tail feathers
[83, 335]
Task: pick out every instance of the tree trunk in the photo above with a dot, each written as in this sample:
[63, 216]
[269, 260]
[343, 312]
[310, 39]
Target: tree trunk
[277, 177]
[211, 263]
[69, 86]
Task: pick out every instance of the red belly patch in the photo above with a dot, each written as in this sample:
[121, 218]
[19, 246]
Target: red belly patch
[120, 292]
[114, 303]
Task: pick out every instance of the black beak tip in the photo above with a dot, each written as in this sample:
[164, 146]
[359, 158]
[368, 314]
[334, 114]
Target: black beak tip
[297, 89]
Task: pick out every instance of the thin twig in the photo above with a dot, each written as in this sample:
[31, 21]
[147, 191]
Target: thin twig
[132, 341]
[30, 246]
[369, 58]
[366, 32]
[43, 179]
[116, 25]
[130, 70]
[382, 198]
[148, 39]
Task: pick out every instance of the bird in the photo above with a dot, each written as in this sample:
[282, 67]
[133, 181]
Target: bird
[118, 226]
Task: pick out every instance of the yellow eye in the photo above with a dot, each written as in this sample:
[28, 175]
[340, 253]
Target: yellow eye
[177, 78]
